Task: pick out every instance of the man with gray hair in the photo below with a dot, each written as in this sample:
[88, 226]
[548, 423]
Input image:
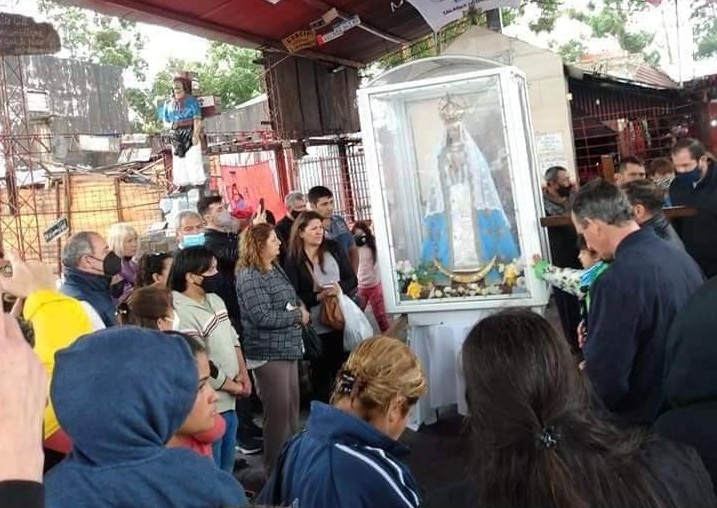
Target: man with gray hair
[88, 267]
[295, 202]
[190, 229]
[632, 303]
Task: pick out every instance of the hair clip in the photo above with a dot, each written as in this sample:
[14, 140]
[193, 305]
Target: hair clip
[346, 382]
[548, 438]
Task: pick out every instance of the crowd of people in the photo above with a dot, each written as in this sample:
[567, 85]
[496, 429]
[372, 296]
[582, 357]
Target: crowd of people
[155, 363]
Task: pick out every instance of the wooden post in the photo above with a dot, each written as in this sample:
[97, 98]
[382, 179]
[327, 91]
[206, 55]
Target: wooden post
[284, 173]
[118, 200]
[347, 190]
[67, 183]
[607, 168]
[58, 198]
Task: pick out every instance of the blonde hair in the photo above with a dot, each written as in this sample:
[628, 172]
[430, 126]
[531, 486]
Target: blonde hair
[117, 235]
[251, 243]
[378, 370]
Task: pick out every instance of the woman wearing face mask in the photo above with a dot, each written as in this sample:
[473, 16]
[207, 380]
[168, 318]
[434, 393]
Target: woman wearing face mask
[202, 314]
[370, 290]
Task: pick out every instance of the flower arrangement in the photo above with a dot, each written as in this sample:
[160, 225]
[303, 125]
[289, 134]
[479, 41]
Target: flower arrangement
[419, 283]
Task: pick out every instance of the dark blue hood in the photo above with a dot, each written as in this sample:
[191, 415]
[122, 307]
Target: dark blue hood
[120, 394]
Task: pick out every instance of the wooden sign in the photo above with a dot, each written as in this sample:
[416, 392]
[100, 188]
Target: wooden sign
[56, 230]
[303, 39]
[21, 35]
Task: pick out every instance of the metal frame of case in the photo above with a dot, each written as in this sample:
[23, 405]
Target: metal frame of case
[525, 185]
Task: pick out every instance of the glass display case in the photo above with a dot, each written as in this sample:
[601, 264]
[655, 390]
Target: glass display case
[454, 189]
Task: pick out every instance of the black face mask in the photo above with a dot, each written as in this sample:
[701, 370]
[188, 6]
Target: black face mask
[210, 284]
[111, 264]
[295, 214]
[360, 240]
[564, 191]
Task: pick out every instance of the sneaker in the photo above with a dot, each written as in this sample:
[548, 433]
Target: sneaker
[250, 446]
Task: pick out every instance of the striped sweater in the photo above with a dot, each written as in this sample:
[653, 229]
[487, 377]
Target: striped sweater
[209, 322]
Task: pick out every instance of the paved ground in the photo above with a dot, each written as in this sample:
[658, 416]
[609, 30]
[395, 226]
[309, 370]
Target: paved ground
[439, 452]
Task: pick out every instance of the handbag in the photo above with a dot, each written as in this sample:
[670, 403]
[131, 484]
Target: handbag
[313, 347]
[331, 315]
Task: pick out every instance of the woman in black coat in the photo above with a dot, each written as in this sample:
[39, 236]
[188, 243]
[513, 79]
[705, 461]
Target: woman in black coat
[319, 269]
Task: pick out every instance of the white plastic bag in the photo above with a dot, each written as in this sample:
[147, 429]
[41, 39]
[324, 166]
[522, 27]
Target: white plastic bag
[357, 327]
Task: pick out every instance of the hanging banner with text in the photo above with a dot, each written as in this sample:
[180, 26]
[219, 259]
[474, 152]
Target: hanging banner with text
[438, 13]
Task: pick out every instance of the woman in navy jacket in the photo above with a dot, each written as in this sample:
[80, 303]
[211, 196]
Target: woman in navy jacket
[348, 457]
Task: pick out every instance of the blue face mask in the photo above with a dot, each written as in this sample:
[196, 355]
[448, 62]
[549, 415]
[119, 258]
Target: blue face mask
[193, 241]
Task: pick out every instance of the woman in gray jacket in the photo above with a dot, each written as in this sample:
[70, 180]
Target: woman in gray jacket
[272, 317]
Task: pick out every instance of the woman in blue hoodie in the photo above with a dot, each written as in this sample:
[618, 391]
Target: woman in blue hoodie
[121, 394]
[348, 457]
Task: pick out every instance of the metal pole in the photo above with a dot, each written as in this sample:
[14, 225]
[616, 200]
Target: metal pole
[679, 44]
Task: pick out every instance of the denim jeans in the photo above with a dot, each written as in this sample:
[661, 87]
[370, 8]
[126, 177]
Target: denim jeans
[224, 450]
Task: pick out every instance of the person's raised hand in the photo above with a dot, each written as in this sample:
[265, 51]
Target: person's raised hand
[23, 396]
[27, 278]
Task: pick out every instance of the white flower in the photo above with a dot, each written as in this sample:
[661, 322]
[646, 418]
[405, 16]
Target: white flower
[438, 293]
[414, 277]
[501, 268]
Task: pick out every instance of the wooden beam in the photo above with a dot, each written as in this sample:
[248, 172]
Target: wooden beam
[197, 26]
[672, 213]
[320, 4]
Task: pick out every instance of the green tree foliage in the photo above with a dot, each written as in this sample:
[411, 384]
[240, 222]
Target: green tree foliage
[431, 45]
[571, 51]
[617, 19]
[95, 38]
[704, 20]
[228, 72]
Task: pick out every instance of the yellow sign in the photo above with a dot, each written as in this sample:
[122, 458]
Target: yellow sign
[297, 41]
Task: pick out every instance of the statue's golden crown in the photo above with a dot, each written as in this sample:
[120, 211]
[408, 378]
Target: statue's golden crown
[450, 110]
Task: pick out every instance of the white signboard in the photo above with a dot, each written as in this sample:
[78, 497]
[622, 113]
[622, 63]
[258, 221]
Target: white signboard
[438, 13]
[550, 150]
[56, 230]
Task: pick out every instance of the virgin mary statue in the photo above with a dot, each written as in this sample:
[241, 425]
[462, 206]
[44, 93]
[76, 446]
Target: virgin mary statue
[467, 231]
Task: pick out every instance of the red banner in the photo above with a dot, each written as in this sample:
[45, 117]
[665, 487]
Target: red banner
[244, 186]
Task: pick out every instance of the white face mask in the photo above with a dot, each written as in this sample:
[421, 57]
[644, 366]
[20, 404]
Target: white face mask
[175, 322]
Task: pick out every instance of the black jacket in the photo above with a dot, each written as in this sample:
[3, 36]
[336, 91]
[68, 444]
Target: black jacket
[283, 231]
[663, 229]
[225, 247]
[21, 494]
[300, 276]
[679, 477]
[691, 377]
[632, 306]
[698, 232]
